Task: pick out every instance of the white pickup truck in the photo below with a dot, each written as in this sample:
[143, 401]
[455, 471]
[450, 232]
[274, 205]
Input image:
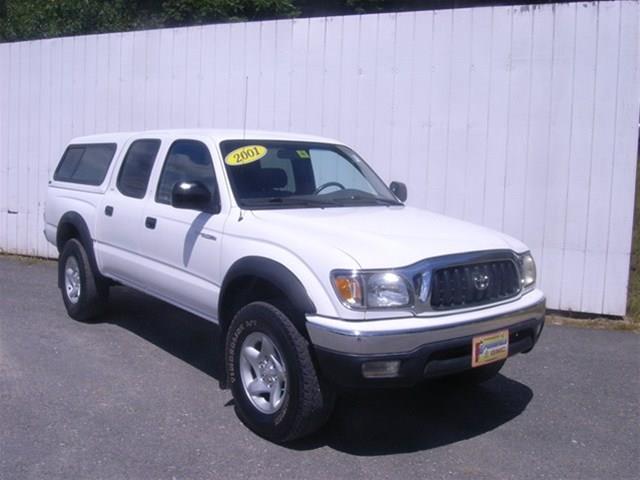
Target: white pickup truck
[318, 275]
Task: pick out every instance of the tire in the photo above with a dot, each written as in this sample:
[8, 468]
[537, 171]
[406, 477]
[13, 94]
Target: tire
[479, 375]
[88, 301]
[297, 403]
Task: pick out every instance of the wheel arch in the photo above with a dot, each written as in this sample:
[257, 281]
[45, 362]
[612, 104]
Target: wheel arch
[259, 278]
[72, 225]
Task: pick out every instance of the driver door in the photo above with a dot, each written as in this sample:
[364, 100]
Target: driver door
[184, 245]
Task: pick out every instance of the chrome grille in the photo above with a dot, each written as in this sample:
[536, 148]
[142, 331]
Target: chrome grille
[464, 286]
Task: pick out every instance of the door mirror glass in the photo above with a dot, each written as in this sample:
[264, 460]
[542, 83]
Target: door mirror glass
[191, 195]
[399, 189]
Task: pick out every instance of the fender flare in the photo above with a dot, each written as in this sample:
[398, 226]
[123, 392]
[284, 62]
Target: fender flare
[75, 220]
[279, 276]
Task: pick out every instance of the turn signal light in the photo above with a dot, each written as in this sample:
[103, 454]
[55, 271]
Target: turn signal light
[349, 289]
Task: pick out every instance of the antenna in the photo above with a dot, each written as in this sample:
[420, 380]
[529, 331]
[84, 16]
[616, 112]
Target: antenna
[246, 95]
[244, 123]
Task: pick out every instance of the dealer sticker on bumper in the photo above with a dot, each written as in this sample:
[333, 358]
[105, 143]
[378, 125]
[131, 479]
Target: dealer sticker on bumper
[489, 348]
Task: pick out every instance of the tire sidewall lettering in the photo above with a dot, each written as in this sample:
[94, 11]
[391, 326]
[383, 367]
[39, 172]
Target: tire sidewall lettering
[235, 340]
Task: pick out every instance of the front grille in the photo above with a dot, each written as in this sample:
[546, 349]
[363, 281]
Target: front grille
[465, 286]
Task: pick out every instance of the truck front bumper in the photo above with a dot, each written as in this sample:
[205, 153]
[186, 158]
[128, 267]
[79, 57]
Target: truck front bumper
[423, 346]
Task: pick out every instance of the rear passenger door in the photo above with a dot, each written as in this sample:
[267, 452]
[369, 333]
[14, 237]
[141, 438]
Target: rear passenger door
[120, 219]
[183, 244]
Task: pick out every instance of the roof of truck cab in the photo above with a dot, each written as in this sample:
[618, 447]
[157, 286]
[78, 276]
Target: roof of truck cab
[216, 134]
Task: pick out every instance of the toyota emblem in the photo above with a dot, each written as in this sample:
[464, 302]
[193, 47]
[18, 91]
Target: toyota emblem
[480, 280]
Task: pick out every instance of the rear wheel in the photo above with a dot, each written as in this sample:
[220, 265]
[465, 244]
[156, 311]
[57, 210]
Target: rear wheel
[83, 294]
[276, 389]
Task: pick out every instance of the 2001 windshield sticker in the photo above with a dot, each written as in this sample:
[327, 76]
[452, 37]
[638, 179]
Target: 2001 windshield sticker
[244, 155]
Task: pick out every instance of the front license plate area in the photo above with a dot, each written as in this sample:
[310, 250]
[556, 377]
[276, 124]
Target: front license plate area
[489, 348]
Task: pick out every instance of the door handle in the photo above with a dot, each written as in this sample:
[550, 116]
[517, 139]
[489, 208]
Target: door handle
[150, 222]
[108, 210]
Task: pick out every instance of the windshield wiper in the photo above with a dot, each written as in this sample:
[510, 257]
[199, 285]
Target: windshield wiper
[287, 201]
[301, 201]
[376, 200]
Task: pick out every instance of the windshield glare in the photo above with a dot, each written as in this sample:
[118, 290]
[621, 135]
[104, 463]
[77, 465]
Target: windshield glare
[281, 174]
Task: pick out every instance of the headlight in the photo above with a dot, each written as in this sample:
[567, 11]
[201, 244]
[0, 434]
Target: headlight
[527, 271]
[371, 289]
[387, 290]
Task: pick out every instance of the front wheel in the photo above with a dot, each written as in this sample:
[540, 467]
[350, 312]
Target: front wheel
[276, 389]
[83, 294]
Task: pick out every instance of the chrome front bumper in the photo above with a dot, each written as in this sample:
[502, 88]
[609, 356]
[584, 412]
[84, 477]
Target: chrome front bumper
[405, 335]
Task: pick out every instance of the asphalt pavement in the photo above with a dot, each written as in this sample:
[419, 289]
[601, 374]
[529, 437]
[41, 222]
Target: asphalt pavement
[135, 396]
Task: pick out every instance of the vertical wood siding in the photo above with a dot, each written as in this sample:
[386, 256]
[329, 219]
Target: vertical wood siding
[524, 119]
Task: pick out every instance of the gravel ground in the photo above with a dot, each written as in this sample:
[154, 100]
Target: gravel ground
[136, 396]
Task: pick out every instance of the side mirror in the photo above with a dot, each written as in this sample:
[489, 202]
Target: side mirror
[399, 189]
[191, 195]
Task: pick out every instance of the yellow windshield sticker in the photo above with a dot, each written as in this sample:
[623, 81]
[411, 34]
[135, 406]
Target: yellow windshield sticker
[244, 155]
[303, 153]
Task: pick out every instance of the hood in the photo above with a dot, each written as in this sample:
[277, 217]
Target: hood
[387, 237]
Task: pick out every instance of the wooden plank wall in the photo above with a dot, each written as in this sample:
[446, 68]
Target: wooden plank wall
[524, 119]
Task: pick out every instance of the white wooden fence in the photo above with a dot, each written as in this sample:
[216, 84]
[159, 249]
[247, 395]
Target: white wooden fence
[524, 118]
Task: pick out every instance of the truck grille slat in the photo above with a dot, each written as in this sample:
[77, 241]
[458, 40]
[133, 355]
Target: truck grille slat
[464, 286]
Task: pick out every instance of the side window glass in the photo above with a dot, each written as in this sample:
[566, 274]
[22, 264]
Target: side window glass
[85, 164]
[133, 178]
[187, 160]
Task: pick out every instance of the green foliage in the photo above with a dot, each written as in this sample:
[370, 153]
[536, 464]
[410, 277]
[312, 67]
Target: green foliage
[27, 19]
[366, 6]
[31, 19]
[181, 12]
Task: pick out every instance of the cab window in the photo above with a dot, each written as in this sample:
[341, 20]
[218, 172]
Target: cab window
[133, 178]
[187, 160]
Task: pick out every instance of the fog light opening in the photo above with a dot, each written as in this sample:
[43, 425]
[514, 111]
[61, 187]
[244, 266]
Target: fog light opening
[381, 369]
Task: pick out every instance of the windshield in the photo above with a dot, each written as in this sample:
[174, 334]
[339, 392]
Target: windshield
[282, 174]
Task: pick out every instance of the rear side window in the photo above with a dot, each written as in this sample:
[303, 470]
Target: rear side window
[133, 178]
[86, 164]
